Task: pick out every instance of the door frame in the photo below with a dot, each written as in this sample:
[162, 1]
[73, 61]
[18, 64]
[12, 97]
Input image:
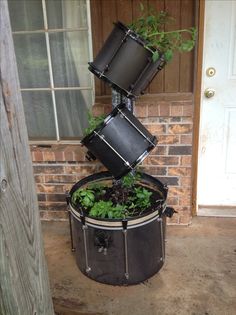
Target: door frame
[197, 101]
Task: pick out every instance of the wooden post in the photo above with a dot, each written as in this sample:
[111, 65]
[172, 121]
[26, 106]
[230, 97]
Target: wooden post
[24, 285]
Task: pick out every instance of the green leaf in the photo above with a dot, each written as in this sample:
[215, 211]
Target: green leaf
[155, 56]
[168, 55]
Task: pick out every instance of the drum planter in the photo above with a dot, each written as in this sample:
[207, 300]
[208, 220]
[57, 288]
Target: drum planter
[121, 142]
[125, 62]
[115, 251]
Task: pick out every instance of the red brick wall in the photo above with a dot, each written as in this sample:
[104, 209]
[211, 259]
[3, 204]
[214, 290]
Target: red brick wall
[168, 116]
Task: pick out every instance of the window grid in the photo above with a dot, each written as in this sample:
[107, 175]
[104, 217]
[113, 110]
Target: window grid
[52, 88]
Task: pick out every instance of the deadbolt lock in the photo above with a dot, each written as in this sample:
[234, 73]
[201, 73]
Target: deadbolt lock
[210, 72]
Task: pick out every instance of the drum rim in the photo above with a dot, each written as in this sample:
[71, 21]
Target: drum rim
[108, 176]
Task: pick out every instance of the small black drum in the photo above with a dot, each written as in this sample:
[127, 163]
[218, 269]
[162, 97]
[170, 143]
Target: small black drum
[125, 62]
[121, 142]
[116, 251]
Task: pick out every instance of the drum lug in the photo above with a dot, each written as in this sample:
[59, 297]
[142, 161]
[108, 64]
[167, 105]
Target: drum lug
[106, 68]
[89, 156]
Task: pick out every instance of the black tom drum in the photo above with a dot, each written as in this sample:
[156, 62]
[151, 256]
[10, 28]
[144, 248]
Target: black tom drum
[125, 62]
[121, 142]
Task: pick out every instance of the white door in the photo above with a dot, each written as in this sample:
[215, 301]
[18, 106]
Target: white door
[217, 150]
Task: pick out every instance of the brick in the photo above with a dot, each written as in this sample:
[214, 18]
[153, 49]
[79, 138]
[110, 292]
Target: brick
[186, 160]
[82, 170]
[175, 119]
[39, 178]
[69, 156]
[54, 216]
[188, 110]
[47, 188]
[164, 109]
[186, 139]
[185, 181]
[98, 110]
[168, 180]
[140, 110]
[46, 169]
[172, 201]
[153, 110]
[41, 197]
[107, 109]
[156, 128]
[180, 128]
[179, 191]
[159, 150]
[180, 150]
[46, 215]
[48, 156]
[59, 156]
[168, 139]
[37, 156]
[185, 201]
[152, 170]
[53, 206]
[56, 197]
[179, 171]
[176, 110]
[162, 160]
[187, 120]
[60, 179]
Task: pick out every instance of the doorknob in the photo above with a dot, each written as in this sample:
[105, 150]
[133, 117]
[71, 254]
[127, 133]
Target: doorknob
[209, 92]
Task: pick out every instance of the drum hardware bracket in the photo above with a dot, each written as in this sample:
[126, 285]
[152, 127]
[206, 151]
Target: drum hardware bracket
[70, 221]
[160, 220]
[90, 157]
[124, 225]
[85, 228]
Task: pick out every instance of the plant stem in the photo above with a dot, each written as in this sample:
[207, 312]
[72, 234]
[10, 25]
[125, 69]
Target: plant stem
[178, 31]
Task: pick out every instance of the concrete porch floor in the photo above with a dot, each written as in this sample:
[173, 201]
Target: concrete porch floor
[198, 278]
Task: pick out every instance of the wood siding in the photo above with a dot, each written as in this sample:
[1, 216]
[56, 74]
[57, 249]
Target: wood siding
[178, 74]
[24, 285]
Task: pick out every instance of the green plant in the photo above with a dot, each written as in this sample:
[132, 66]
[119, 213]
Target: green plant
[150, 26]
[106, 209]
[130, 180]
[125, 199]
[99, 189]
[140, 199]
[85, 197]
[93, 122]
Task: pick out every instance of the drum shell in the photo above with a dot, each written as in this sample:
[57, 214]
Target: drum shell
[125, 62]
[145, 240]
[145, 253]
[125, 139]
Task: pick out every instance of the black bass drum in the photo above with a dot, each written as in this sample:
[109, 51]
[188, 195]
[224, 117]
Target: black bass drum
[125, 62]
[116, 251]
[121, 142]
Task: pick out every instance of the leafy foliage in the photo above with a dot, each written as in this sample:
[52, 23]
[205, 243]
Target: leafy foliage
[151, 27]
[94, 122]
[122, 200]
[141, 198]
[85, 197]
[130, 180]
[106, 209]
